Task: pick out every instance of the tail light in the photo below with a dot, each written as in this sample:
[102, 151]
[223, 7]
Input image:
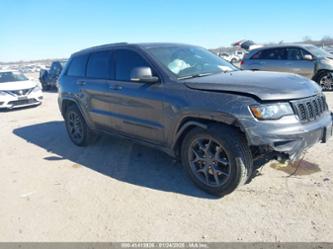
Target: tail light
[242, 62]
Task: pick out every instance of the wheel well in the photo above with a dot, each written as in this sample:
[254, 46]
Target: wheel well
[198, 123]
[315, 77]
[65, 104]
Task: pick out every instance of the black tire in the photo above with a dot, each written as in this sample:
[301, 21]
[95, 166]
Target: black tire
[320, 78]
[233, 61]
[45, 87]
[238, 158]
[77, 128]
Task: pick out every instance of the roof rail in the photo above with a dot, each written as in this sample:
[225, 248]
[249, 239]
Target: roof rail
[101, 47]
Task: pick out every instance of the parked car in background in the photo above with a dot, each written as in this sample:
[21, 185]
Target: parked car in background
[232, 58]
[193, 105]
[246, 45]
[240, 54]
[16, 90]
[48, 78]
[330, 50]
[306, 60]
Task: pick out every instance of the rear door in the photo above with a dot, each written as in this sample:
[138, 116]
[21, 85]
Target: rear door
[271, 59]
[138, 106]
[95, 87]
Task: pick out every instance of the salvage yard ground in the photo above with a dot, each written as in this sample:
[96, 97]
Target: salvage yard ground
[115, 190]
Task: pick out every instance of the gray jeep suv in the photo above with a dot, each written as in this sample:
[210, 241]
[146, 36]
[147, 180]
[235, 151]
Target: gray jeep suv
[306, 60]
[193, 105]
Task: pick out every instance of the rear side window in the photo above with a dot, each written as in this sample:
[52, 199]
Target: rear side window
[77, 66]
[125, 61]
[271, 54]
[99, 65]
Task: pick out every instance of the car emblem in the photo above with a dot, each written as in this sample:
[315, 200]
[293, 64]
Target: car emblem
[20, 92]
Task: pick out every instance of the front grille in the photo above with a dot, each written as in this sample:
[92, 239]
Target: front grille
[22, 102]
[20, 92]
[310, 108]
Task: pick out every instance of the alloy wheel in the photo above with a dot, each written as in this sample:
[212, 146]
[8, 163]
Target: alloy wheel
[75, 126]
[326, 82]
[209, 162]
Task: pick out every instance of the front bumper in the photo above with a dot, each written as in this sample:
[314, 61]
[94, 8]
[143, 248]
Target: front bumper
[290, 137]
[11, 102]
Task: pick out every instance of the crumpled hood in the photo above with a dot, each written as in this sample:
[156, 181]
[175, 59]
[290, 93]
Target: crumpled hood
[17, 85]
[264, 85]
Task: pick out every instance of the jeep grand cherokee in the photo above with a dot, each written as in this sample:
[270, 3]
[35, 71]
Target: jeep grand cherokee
[194, 106]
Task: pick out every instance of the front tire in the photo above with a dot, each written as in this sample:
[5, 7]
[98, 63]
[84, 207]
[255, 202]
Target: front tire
[218, 159]
[77, 128]
[325, 80]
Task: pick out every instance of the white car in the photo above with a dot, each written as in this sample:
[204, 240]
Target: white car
[16, 90]
[229, 57]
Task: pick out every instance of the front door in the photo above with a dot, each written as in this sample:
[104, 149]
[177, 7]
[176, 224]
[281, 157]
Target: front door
[296, 63]
[138, 106]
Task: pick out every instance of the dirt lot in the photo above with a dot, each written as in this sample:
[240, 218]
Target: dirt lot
[119, 191]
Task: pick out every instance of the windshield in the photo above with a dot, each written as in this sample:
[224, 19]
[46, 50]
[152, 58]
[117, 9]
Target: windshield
[318, 52]
[11, 77]
[188, 61]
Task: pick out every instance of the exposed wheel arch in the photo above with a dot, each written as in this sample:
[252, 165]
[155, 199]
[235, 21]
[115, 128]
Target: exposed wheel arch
[66, 102]
[318, 76]
[319, 72]
[190, 123]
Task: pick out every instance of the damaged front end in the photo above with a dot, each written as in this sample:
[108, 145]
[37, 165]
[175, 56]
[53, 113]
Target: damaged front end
[289, 137]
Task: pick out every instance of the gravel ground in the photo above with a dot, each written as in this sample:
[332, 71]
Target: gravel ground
[115, 190]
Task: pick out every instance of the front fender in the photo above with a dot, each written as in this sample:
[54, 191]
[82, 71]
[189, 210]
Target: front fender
[202, 122]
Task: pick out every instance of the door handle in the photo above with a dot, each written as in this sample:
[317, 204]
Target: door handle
[115, 87]
[81, 83]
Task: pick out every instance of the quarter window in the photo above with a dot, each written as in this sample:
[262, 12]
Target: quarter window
[99, 66]
[77, 66]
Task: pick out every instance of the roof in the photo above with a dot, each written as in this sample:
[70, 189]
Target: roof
[301, 45]
[125, 44]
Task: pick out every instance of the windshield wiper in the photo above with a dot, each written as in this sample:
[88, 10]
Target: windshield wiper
[194, 76]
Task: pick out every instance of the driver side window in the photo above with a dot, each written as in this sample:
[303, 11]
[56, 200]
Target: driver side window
[294, 54]
[125, 61]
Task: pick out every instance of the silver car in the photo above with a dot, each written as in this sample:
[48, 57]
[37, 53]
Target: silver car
[306, 60]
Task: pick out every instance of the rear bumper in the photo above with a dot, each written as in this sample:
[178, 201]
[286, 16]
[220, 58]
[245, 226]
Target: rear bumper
[291, 138]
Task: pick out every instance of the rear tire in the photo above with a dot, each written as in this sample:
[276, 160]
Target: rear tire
[45, 87]
[218, 159]
[77, 128]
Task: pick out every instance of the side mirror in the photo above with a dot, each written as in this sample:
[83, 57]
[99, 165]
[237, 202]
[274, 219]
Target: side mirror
[308, 57]
[143, 74]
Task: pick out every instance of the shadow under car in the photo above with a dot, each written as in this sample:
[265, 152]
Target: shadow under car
[117, 158]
